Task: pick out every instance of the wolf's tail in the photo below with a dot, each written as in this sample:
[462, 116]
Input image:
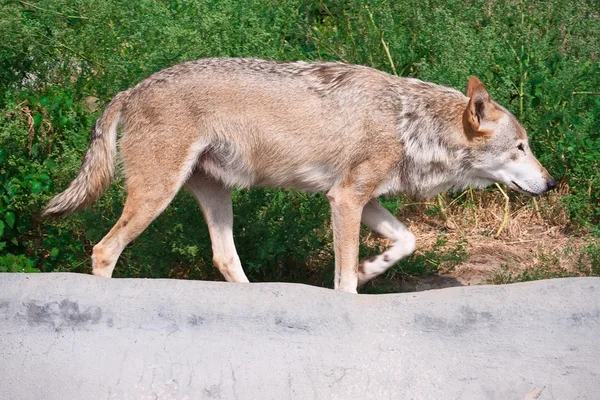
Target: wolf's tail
[98, 165]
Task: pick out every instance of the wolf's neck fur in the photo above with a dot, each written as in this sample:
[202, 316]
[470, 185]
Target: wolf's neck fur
[436, 154]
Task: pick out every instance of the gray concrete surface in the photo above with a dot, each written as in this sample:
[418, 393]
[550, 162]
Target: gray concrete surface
[68, 336]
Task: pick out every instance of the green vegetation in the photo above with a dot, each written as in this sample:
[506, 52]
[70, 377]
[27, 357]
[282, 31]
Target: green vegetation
[539, 59]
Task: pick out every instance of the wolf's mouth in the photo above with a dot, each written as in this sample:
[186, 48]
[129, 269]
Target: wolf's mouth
[527, 192]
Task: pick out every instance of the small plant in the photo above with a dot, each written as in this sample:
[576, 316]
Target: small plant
[505, 276]
[20, 263]
[589, 260]
[501, 276]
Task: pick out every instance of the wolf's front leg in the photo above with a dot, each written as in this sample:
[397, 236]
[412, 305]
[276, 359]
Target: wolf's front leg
[377, 218]
[346, 209]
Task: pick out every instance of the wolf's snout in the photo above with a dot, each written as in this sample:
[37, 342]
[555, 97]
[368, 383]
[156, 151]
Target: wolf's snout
[551, 183]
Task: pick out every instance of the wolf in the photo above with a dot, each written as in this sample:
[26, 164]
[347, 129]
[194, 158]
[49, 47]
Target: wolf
[352, 132]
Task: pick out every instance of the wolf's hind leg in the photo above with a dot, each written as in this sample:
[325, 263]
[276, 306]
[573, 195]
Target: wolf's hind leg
[215, 202]
[153, 179]
[377, 218]
[142, 206]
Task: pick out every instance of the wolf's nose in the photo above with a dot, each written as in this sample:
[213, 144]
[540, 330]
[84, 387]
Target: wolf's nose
[551, 184]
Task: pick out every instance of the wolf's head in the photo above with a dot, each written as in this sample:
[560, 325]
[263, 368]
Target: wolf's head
[500, 149]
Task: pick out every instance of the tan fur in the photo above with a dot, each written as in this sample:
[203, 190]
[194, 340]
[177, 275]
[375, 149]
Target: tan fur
[349, 131]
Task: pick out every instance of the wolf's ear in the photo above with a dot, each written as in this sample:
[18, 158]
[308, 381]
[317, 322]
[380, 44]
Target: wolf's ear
[479, 110]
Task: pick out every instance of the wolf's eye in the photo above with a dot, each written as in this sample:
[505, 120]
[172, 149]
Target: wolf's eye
[520, 147]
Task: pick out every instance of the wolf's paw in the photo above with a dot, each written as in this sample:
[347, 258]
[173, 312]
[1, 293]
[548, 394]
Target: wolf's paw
[367, 270]
[103, 272]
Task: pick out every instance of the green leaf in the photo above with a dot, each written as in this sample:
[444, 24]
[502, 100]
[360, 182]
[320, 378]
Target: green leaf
[36, 187]
[2, 245]
[9, 217]
[54, 252]
[35, 149]
[37, 120]
[51, 165]
[2, 228]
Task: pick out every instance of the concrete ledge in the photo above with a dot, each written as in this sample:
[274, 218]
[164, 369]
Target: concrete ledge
[69, 336]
